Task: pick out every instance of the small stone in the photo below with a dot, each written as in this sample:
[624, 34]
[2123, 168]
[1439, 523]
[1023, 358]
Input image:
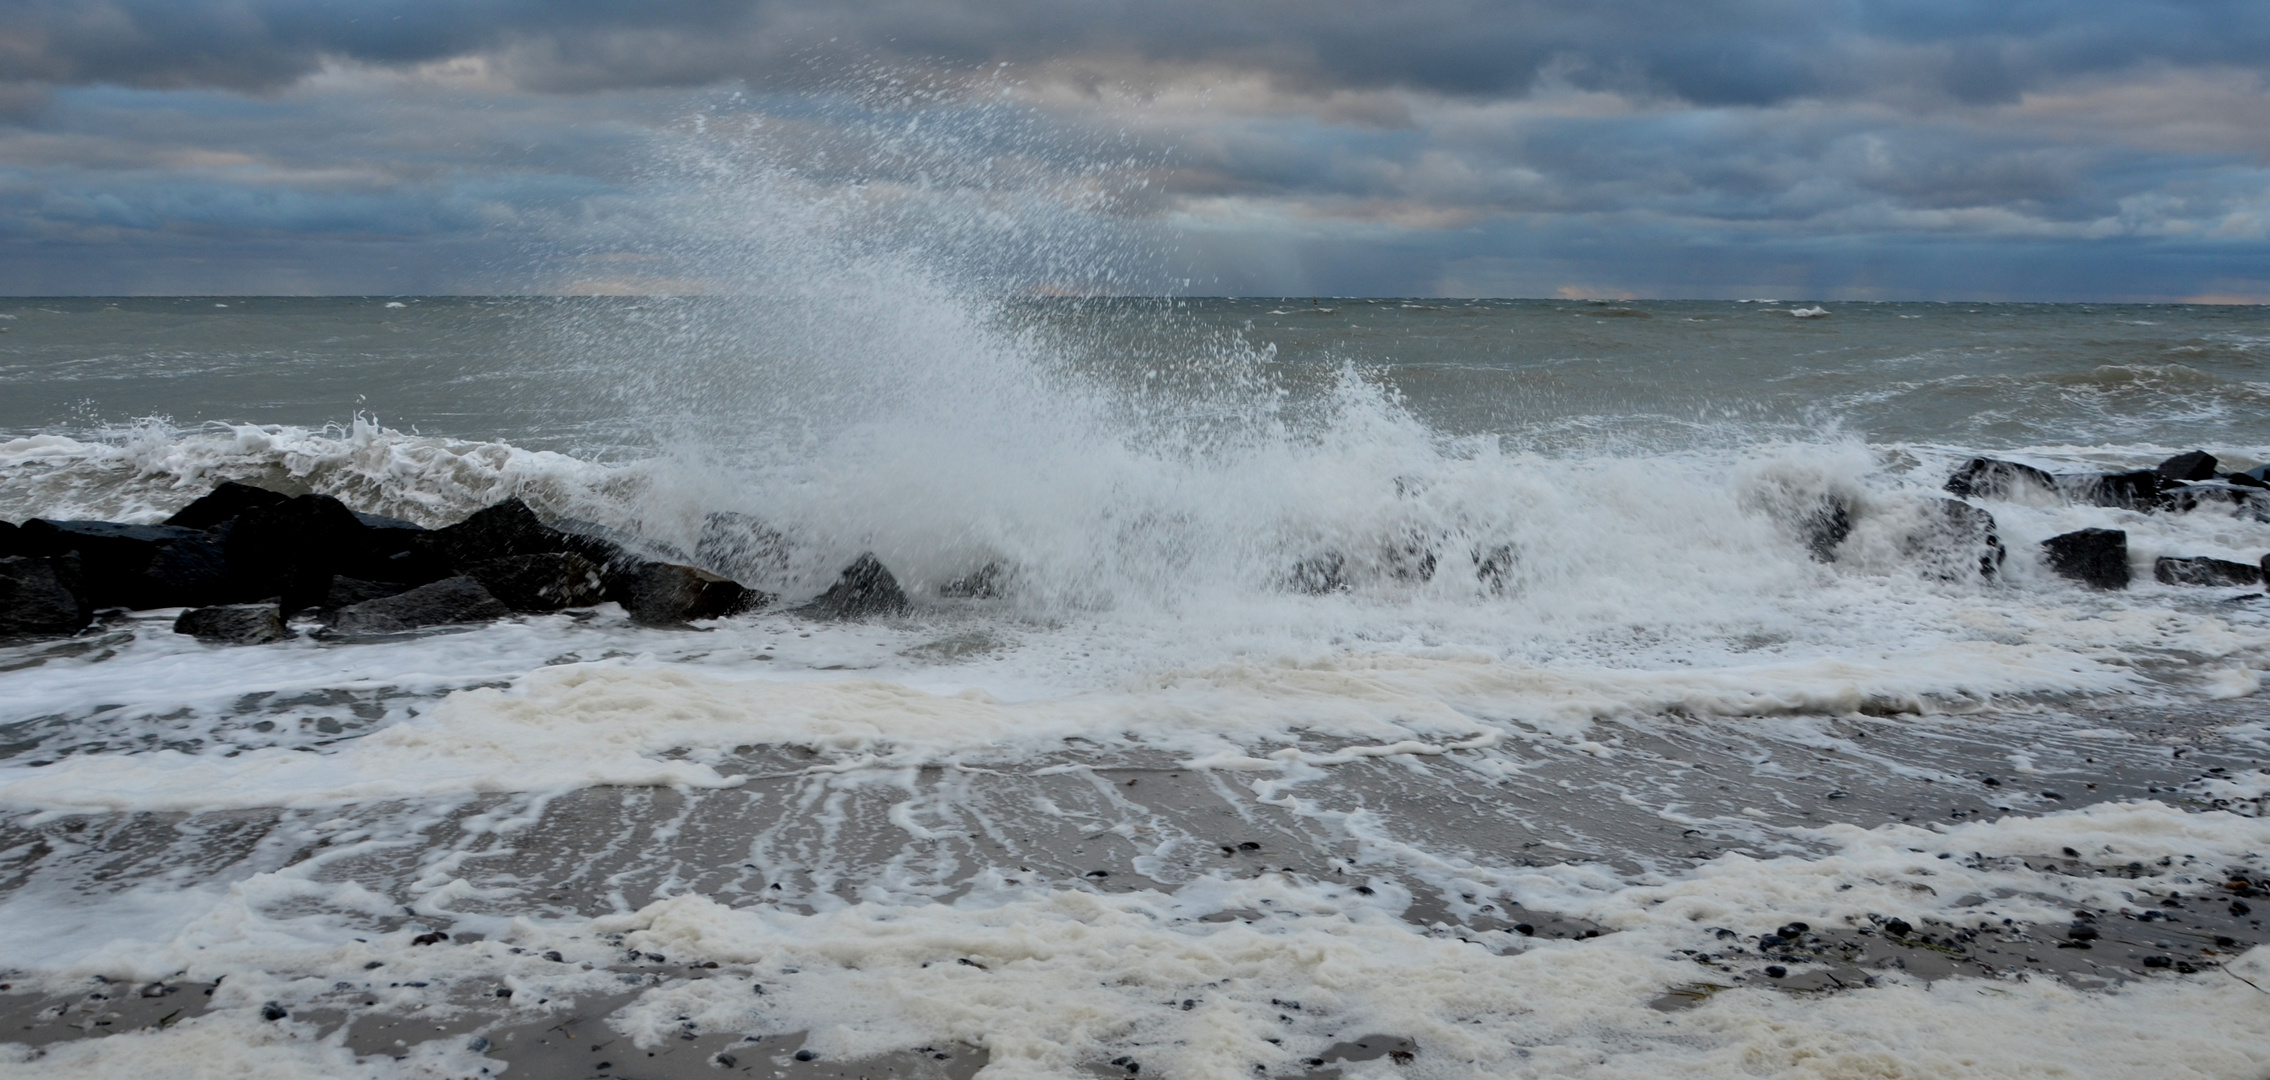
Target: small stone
[1775, 971]
[806, 1055]
[1898, 927]
[2159, 961]
[273, 1011]
[2238, 907]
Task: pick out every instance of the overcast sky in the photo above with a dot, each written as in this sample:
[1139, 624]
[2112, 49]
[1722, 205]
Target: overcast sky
[1929, 149]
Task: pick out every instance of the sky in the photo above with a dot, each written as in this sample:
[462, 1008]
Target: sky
[2093, 150]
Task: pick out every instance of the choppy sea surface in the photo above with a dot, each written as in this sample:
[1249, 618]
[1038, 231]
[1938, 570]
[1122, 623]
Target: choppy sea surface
[1451, 676]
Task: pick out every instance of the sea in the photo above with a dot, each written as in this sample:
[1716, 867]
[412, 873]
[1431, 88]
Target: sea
[1291, 687]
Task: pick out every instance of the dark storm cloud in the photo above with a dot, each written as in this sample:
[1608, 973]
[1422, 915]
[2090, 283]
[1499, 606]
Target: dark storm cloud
[1863, 148]
[1737, 52]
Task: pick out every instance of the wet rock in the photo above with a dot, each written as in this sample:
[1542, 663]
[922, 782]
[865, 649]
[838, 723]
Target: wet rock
[225, 503]
[450, 600]
[2095, 557]
[667, 594]
[11, 539]
[2233, 499]
[1824, 526]
[294, 548]
[40, 596]
[988, 582]
[1319, 574]
[233, 624]
[1955, 540]
[2196, 465]
[136, 566]
[1987, 478]
[865, 590]
[2202, 571]
[547, 581]
[741, 547]
[2138, 490]
[2246, 480]
[347, 591]
[1493, 568]
[507, 529]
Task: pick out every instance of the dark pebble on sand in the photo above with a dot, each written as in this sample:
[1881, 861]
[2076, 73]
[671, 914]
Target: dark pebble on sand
[2081, 932]
[1525, 930]
[2159, 961]
[806, 1055]
[2238, 907]
[1775, 971]
[555, 957]
[272, 1011]
[1898, 927]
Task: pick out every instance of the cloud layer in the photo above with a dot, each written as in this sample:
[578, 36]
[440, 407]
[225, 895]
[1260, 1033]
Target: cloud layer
[1869, 149]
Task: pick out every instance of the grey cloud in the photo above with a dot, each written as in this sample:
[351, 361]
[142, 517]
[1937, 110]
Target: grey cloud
[1746, 52]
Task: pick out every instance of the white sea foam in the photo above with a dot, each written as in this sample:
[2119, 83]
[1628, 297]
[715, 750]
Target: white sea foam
[1047, 980]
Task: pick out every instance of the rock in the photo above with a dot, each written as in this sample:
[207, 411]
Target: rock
[1319, 574]
[668, 594]
[225, 503]
[2234, 499]
[866, 589]
[2201, 571]
[2138, 490]
[42, 596]
[547, 581]
[507, 529]
[294, 548]
[987, 582]
[2245, 480]
[347, 591]
[450, 600]
[136, 566]
[234, 624]
[1954, 540]
[1825, 526]
[741, 547]
[2196, 465]
[1493, 568]
[2096, 557]
[11, 539]
[1987, 478]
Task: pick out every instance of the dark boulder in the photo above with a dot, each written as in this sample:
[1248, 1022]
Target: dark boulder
[2233, 499]
[2184, 468]
[507, 529]
[988, 582]
[547, 581]
[866, 589]
[42, 596]
[293, 549]
[741, 547]
[1319, 574]
[2245, 480]
[235, 624]
[1987, 478]
[1825, 525]
[2096, 557]
[668, 594]
[348, 591]
[2138, 490]
[2202, 571]
[450, 600]
[136, 566]
[11, 539]
[227, 502]
[1956, 540]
